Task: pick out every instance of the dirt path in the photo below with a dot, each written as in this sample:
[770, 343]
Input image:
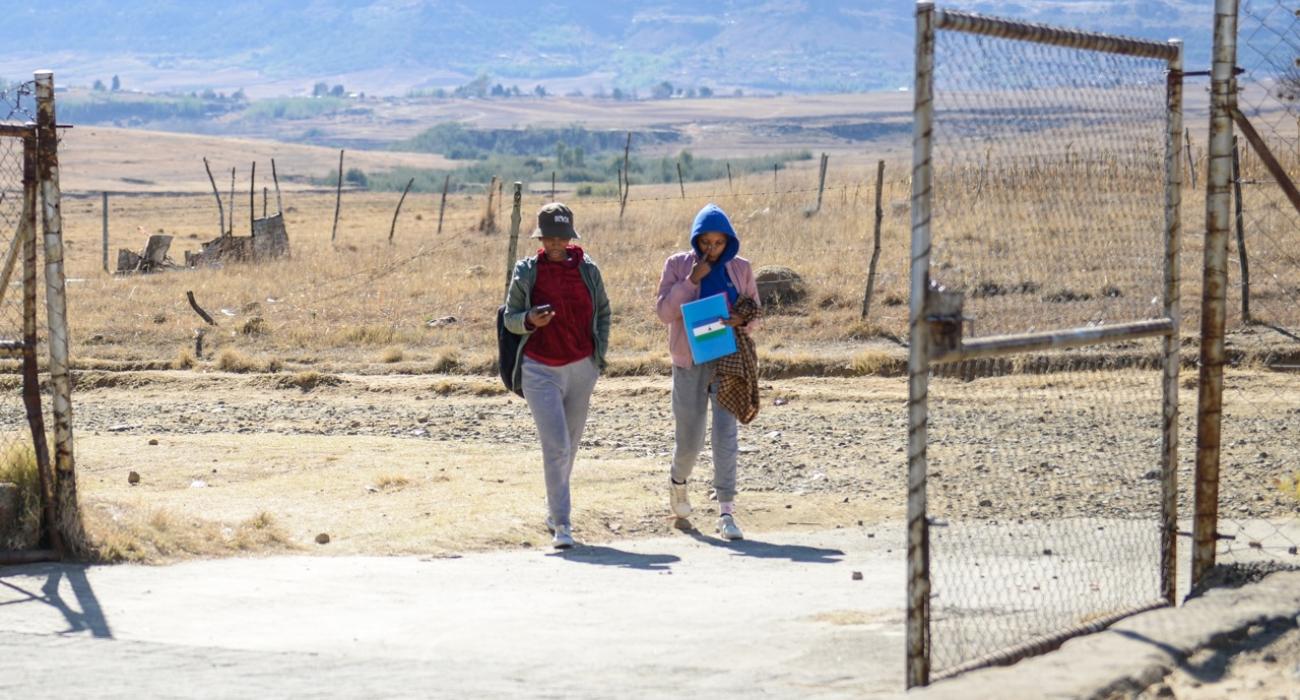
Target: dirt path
[408, 464]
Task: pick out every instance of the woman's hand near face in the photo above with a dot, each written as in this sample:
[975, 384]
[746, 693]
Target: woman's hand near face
[736, 323]
[700, 270]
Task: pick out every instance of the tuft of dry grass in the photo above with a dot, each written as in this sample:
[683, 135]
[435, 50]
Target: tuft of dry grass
[18, 467]
[232, 360]
[1290, 485]
[392, 482]
[161, 535]
[184, 359]
[307, 380]
[391, 354]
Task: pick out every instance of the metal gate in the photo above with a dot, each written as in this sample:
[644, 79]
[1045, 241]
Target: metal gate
[1043, 369]
[39, 517]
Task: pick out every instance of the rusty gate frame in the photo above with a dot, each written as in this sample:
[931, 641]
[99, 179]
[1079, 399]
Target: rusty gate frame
[1224, 114]
[61, 533]
[931, 308]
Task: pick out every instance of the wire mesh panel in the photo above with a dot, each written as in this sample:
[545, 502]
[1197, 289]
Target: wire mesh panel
[1258, 488]
[1050, 223]
[21, 498]
[1044, 498]
[1048, 184]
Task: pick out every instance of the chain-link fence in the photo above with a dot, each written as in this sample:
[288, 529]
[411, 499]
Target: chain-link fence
[1053, 223]
[23, 481]
[1259, 453]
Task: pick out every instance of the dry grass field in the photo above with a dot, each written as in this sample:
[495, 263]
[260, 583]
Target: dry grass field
[348, 389]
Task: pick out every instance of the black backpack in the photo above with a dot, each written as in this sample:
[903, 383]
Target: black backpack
[507, 352]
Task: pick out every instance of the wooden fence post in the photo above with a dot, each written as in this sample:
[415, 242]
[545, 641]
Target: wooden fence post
[875, 237]
[1191, 163]
[730, 187]
[230, 230]
[821, 181]
[552, 185]
[221, 210]
[104, 206]
[338, 199]
[627, 175]
[681, 184]
[279, 203]
[515, 216]
[393, 229]
[252, 190]
[442, 208]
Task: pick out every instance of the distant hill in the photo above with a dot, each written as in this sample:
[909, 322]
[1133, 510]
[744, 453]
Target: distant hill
[391, 46]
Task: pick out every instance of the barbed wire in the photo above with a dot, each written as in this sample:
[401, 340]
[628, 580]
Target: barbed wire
[11, 101]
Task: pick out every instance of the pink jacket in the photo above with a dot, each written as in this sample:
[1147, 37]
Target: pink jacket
[676, 288]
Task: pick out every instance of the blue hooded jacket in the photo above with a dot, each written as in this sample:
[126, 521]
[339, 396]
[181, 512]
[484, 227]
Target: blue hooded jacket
[712, 219]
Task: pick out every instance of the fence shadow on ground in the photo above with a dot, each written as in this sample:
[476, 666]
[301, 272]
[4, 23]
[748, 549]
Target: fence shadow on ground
[90, 618]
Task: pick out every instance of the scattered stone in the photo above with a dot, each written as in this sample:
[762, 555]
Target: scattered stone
[1047, 552]
[153, 441]
[986, 503]
[780, 401]
[1151, 475]
[322, 538]
[133, 478]
[857, 575]
[198, 484]
[441, 322]
[119, 428]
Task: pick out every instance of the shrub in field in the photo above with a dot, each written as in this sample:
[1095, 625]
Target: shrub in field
[392, 354]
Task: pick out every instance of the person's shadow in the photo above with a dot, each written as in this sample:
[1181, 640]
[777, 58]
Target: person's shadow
[608, 556]
[766, 550]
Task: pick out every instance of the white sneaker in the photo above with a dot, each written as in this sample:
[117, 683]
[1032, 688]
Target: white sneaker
[562, 537]
[728, 529]
[678, 500]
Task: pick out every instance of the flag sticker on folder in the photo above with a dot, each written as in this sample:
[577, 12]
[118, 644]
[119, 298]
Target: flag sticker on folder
[709, 331]
[708, 337]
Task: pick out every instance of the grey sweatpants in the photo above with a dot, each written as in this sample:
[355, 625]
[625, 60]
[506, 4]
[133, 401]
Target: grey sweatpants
[693, 392]
[558, 398]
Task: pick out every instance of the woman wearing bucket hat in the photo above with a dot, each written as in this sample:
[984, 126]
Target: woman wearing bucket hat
[710, 267]
[557, 303]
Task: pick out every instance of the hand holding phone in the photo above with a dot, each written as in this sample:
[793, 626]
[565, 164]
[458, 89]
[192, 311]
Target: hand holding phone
[541, 315]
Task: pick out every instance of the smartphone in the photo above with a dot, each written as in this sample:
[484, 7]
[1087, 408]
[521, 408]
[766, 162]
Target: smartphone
[544, 309]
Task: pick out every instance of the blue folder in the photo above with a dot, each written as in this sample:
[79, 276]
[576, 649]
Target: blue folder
[705, 334]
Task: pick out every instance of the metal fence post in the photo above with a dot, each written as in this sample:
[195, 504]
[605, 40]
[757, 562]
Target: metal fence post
[1214, 288]
[1173, 241]
[47, 165]
[50, 533]
[918, 365]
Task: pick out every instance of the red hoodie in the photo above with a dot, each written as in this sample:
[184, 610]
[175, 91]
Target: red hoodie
[567, 338]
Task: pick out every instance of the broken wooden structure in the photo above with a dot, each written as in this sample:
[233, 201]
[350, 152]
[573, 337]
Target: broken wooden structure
[152, 259]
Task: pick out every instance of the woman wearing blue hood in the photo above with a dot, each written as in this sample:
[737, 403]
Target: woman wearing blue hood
[710, 267]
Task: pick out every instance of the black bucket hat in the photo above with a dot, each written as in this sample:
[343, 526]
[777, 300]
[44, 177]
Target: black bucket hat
[556, 220]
